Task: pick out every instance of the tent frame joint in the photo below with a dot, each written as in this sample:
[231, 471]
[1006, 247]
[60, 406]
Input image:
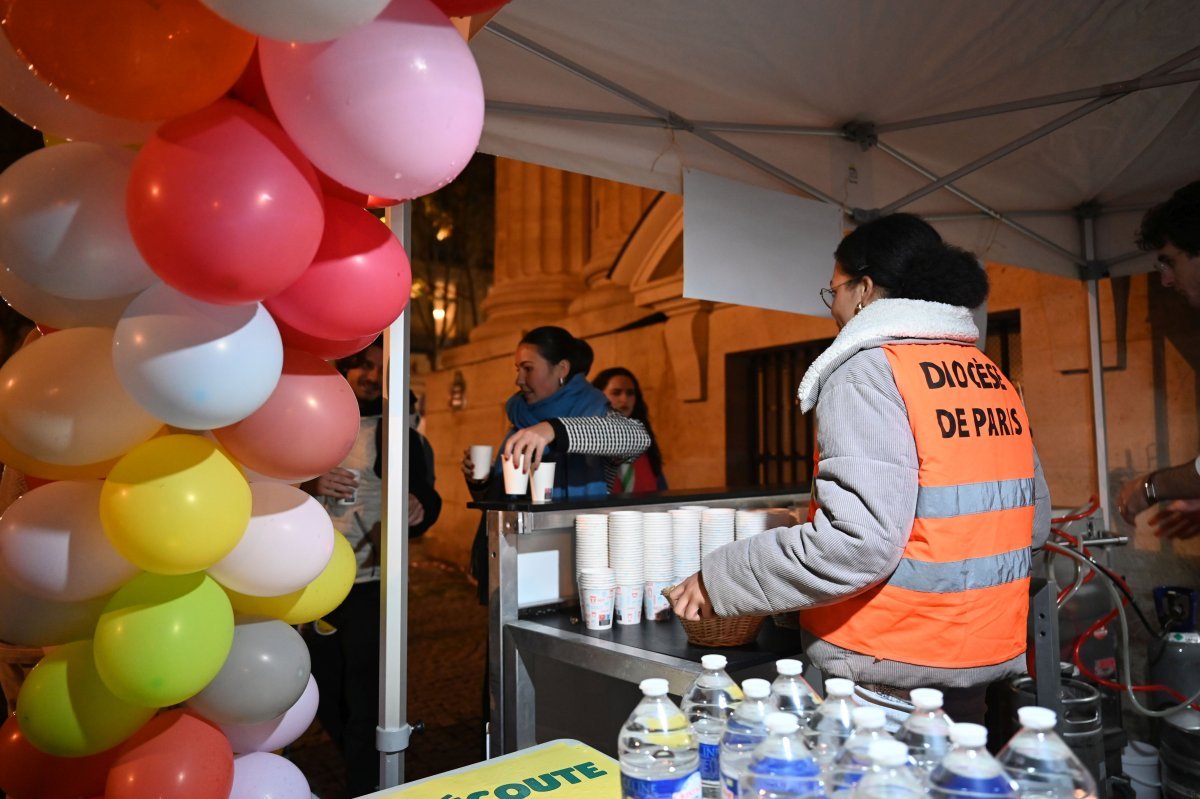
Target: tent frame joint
[863, 215]
[864, 134]
[1094, 269]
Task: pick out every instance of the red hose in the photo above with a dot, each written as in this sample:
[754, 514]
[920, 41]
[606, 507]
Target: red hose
[1093, 506]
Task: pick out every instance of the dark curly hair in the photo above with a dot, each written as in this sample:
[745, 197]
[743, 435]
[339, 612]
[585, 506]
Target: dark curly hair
[1175, 222]
[556, 344]
[640, 411]
[907, 258]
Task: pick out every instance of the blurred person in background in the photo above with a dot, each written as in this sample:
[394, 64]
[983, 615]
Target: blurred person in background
[624, 393]
[1171, 230]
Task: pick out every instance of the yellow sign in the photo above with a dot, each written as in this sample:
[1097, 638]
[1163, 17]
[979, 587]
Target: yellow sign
[556, 770]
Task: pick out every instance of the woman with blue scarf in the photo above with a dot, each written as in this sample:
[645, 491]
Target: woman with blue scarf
[557, 415]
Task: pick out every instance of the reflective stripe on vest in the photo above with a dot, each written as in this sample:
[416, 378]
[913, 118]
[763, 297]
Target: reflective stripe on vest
[959, 597]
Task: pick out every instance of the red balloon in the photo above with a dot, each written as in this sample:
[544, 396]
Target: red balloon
[325, 349]
[175, 756]
[312, 397]
[358, 283]
[467, 8]
[27, 772]
[223, 207]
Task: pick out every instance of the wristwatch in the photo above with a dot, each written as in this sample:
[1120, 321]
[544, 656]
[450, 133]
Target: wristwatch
[1149, 490]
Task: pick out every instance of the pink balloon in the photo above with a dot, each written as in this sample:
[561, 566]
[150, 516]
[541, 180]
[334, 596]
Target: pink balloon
[261, 775]
[407, 131]
[267, 736]
[223, 206]
[356, 286]
[287, 544]
[305, 428]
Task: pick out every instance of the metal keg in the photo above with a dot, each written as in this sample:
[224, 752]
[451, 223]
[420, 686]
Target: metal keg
[1081, 725]
[1179, 750]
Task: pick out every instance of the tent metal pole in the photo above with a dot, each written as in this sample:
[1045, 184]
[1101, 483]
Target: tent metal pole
[1120, 89]
[1099, 415]
[575, 115]
[392, 734]
[987, 210]
[670, 118]
[1030, 137]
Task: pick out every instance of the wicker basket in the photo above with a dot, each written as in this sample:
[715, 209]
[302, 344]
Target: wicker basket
[727, 631]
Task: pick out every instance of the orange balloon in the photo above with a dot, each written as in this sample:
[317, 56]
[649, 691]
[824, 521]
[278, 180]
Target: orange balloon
[32, 467]
[136, 59]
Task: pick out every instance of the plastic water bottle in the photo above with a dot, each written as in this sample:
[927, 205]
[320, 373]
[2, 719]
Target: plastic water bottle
[708, 704]
[781, 767]
[926, 731]
[968, 770]
[890, 775]
[790, 692]
[830, 726]
[1041, 763]
[744, 731]
[852, 761]
[657, 747]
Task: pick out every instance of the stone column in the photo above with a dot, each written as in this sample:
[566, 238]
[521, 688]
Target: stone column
[542, 234]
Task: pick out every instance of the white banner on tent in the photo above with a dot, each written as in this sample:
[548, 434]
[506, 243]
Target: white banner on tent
[752, 246]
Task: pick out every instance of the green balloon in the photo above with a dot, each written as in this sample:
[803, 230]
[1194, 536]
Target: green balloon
[162, 638]
[65, 709]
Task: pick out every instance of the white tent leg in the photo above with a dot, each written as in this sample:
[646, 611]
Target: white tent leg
[392, 734]
[1099, 417]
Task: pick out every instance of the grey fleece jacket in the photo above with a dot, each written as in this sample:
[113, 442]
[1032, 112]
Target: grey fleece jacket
[867, 486]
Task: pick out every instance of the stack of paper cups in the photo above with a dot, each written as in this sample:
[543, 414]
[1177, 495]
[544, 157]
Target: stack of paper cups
[659, 564]
[597, 594]
[749, 523]
[716, 529]
[625, 556]
[779, 517]
[591, 541]
[685, 542]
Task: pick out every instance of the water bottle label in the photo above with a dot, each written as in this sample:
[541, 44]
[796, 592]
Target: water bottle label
[687, 787]
[729, 786]
[710, 762]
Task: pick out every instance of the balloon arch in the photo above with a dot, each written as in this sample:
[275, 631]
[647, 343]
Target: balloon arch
[193, 246]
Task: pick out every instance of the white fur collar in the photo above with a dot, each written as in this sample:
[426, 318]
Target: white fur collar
[882, 320]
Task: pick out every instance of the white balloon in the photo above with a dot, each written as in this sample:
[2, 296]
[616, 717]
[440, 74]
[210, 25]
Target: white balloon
[286, 545]
[298, 20]
[50, 309]
[193, 364]
[53, 546]
[27, 97]
[62, 222]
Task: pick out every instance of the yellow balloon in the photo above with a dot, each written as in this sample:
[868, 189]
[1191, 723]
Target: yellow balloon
[175, 505]
[65, 709]
[312, 601]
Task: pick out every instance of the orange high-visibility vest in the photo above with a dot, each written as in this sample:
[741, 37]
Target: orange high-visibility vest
[959, 597]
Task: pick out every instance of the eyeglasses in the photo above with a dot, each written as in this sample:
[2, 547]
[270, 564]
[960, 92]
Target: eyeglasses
[829, 294]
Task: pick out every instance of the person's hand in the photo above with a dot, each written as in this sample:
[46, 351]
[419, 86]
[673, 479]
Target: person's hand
[338, 483]
[416, 511]
[529, 443]
[1131, 499]
[690, 600]
[468, 468]
[1179, 518]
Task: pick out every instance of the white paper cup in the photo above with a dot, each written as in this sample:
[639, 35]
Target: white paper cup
[657, 606]
[516, 482]
[597, 607]
[353, 498]
[542, 483]
[481, 461]
[629, 603]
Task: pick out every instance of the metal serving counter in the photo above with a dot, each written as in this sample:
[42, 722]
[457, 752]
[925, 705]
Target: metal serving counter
[550, 677]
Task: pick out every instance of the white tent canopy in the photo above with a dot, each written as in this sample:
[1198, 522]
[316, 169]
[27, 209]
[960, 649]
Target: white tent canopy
[1005, 122]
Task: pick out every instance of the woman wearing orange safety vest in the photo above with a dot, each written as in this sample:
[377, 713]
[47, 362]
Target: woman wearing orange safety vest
[913, 570]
